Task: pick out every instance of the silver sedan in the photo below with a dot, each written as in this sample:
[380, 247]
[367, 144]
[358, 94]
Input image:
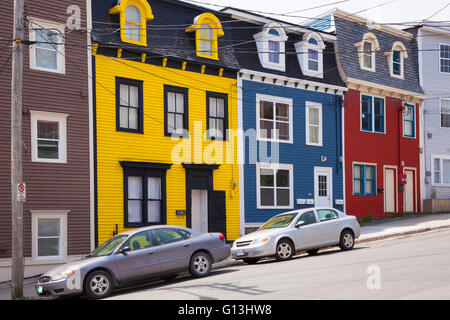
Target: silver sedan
[300, 230]
[144, 253]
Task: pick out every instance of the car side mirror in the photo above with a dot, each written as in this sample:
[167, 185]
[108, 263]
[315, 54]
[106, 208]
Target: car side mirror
[299, 224]
[124, 250]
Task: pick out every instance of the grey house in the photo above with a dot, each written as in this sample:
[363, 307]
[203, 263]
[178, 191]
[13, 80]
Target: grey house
[433, 41]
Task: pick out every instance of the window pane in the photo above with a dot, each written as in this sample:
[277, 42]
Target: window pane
[367, 54]
[206, 32]
[154, 211]
[282, 112]
[266, 110]
[48, 247]
[171, 101]
[313, 134]
[313, 55]
[267, 197]
[266, 128]
[357, 172]
[283, 130]
[134, 211]
[48, 227]
[357, 186]
[123, 117]
[124, 101]
[283, 178]
[379, 124]
[47, 130]
[266, 178]
[437, 164]
[129, 31]
[212, 107]
[446, 171]
[221, 108]
[323, 187]
[134, 187]
[141, 240]
[369, 187]
[46, 41]
[314, 116]
[46, 59]
[179, 119]
[134, 96]
[170, 122]
[133, 118]
[283, 197]
[313, 65]
[165, 236]
[154, 188]
[48, 149]
[370, 172]
[408, 128]
[180, 102]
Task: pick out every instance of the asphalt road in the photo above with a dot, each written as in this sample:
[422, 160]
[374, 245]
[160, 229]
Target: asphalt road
[414, 267]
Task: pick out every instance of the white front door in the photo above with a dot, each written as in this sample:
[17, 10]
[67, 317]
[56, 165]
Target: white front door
[409, 191]
[389, 190]
[199, 210]
[323, 187]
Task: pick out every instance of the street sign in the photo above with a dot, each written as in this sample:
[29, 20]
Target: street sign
[21, 192]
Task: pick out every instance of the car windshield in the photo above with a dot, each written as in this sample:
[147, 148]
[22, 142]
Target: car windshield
[279, 221]
[109, 246]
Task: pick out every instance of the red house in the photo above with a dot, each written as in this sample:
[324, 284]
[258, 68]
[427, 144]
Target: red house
[382, 118]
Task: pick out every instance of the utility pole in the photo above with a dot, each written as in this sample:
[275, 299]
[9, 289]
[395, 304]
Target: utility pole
[17, 264]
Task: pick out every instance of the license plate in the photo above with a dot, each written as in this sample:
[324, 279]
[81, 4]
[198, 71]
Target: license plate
[240, 252]
[39, 289]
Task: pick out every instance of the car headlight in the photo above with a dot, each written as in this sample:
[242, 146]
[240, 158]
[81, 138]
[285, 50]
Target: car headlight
[63, 275]
[262, 240]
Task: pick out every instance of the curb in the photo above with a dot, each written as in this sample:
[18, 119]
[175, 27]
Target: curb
[401, 234]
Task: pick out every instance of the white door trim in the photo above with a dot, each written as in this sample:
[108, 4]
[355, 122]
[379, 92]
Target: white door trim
[395, 186]
[415, 188]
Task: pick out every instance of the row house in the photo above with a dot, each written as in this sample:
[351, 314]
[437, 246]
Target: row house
[290, 111]
[165, 118]
[56, 126]
[382, 115]
[433, 42]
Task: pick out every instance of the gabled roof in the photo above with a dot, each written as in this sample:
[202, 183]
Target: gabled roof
[166, 33]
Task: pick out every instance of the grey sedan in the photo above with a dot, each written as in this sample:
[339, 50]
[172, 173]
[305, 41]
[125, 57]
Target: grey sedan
[144, 253]
[300, 230]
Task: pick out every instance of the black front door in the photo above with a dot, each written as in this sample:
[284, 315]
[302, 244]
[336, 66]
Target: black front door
[217, 217]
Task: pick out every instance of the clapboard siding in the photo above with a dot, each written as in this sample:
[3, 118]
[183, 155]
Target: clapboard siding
[49, 186]
[436, 86]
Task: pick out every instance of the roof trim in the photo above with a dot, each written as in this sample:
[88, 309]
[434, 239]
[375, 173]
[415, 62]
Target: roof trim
[358, 82]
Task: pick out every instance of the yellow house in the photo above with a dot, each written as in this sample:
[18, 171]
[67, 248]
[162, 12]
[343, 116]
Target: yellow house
[165, 119]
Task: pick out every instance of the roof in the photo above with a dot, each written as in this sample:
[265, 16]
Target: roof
[349, 32]
[166, 32]
[245, 50]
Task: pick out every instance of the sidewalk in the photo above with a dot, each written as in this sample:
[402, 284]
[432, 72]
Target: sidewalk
[372, 231]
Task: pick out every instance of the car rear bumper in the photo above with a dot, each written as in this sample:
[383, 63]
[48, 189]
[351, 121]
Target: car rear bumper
[220, 253]
[56, 288]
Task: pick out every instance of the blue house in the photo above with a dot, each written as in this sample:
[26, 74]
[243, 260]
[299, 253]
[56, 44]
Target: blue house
[290, 99]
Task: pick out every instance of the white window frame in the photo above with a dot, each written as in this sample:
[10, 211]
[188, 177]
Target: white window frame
[262, 43]
[439, 157]
[274, 100]
[49, 214]
[60, 48]
[313, 105]
[440, 112]
[302, 49]
[274, 166]
[61, 118]
[442, 44]
[371, 38]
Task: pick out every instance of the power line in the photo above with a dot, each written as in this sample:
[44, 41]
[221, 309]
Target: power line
[440, 10]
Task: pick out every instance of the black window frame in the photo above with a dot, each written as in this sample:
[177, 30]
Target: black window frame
[185, 92]
[223, 96]
[145, 173]
[140, 85]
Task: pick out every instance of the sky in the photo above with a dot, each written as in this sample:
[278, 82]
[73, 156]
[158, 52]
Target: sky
[390, 11]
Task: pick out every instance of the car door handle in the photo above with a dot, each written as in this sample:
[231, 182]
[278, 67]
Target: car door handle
[150, 253]
[187, 245]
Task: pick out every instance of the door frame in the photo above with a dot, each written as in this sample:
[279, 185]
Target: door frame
[328, 170]
[414, 170]
[395, 168]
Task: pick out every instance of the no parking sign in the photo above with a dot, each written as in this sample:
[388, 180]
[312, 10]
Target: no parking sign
[21, 192]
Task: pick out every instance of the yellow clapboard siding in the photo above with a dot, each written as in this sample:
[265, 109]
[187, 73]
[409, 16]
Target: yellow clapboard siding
[153, 146]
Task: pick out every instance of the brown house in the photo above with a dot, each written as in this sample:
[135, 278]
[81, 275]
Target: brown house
[57, 161]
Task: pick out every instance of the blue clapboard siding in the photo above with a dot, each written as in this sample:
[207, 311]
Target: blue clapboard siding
[303, 157]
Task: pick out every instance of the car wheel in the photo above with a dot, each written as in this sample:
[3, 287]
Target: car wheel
[347, 240]
[251, 260]
[284, 250]
[98, 285]
[200, 265]
[313, 252]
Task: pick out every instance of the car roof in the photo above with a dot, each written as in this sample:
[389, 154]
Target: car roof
[306, 210]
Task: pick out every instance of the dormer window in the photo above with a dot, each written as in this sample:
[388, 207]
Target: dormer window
[134, 15]
[367, 51]
[396, 60]
[271, 46]
[310, 54]
[208, 29]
